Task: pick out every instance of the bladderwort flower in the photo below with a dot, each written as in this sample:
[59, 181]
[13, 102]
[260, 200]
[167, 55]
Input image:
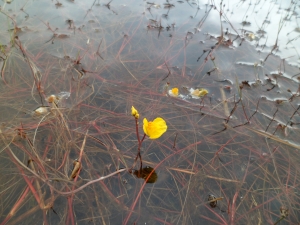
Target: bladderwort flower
[174, 92]
[154, 129]
[134, 112]
[198, 92]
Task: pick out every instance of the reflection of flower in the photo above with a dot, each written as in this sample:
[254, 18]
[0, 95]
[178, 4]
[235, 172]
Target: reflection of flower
[154, 129]
[134, 112]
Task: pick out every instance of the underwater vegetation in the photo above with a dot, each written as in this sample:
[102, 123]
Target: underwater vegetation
[149, 112]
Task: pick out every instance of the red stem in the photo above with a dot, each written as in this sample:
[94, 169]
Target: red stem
[137, 131]
[131, 210]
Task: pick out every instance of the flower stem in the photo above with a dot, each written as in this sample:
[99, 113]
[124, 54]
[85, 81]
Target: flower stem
[137, 130]
[138, 155]
[139, 151]
[143, 139]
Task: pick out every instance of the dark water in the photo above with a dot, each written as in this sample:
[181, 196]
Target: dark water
[238, 144]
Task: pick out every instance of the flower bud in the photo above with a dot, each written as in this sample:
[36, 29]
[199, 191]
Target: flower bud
[134, 112]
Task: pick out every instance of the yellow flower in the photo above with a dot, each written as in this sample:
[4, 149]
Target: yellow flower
[199, 92]
[134, 112]
[175, 91]
[251, 36]
[154, 129]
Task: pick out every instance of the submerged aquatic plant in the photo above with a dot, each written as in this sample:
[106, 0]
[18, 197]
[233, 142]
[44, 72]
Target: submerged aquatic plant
[77, 87]
[153, 129]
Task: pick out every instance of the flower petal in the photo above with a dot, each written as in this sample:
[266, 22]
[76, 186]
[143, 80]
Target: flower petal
[154, 129]
[175, 91]
[160, 127]
[198, 92]
[203, 92]
[145, 125]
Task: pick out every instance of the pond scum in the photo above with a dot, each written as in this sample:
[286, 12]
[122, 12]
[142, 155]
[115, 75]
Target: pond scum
[136, 112]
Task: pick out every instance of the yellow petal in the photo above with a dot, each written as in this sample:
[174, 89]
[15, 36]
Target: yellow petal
[195, 92]
[203, 92]
[200, 92]
[154, 129]
[145, 125]
[175, 91]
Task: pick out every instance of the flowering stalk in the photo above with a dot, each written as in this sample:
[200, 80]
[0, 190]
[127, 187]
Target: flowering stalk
[137, 130]
[153, 129]
[139, 144]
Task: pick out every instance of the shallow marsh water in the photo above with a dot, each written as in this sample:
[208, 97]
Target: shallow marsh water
[238, 144]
